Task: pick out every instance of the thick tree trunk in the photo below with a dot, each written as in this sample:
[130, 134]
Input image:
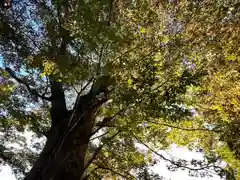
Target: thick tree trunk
[63, 157]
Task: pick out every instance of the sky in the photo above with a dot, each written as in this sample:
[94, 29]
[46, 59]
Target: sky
[160, 168]
[183, 153]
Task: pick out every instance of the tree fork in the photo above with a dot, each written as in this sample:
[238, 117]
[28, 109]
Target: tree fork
[63, 156]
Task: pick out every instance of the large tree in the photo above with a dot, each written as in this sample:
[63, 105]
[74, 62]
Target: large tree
[97, 77]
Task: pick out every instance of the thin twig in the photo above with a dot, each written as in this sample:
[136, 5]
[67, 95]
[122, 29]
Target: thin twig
[168, 160]
[100, 55]
[111, 170]
[183, 128]
[75, 89]
[106, 121]
[99, 136]
[86, 85]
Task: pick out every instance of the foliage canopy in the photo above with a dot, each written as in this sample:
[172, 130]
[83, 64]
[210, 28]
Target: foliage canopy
[139, 72]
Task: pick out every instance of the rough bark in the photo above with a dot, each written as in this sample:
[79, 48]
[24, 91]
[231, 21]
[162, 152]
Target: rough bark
[63, 156]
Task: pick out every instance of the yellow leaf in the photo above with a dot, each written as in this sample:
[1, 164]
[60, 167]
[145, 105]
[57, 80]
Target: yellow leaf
[142, 30]
[130, 81]
[178, 74]
[165, 39]
[231, 58]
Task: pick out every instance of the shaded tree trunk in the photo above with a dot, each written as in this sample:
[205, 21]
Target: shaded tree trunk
[63, 157]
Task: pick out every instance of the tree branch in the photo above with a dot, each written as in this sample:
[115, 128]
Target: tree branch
[20, 81]
[76, 104]
[111, 170]
[100, 58]
[87, 176]
[99, 136]
[86, 85]
[106, 121]
[183, 128]
[46, 89]
[171, 161]
[58, 109]
[66, 39]
[99, 149]
[110, 18]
